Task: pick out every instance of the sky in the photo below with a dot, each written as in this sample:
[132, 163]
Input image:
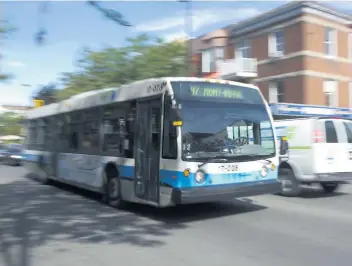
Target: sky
[72, 25]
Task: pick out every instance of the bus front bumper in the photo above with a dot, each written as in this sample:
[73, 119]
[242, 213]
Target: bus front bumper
[224, 192]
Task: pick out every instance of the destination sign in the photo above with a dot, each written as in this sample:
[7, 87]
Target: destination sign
[214, 91]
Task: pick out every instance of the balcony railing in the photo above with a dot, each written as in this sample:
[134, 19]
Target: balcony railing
[238, 67]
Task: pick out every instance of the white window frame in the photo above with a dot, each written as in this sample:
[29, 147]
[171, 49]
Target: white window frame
[274, 44]
[332, 41]
[241, 46]
[330, 87]
[207, 67]
[216, 57]
[216, 54]
[274, 93]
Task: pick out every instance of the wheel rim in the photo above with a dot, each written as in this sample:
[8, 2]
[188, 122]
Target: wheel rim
[286, 184]
[113, 188]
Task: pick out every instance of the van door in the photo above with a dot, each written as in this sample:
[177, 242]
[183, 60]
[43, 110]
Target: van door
[346, 129]
[329, 149]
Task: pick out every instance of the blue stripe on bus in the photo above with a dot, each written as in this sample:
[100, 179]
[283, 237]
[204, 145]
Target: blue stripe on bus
[176, 179]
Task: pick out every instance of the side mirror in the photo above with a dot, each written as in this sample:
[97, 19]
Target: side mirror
[175, 115]
[284, 156]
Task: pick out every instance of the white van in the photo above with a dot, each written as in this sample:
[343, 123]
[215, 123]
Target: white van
[320, 151]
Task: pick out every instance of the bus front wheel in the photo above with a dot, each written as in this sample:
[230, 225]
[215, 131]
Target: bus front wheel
[113, 189]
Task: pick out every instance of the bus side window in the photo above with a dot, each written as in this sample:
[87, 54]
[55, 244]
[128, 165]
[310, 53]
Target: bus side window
[130, 130]
[170, 134]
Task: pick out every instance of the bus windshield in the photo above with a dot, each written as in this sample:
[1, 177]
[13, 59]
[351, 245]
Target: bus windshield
[236, 130]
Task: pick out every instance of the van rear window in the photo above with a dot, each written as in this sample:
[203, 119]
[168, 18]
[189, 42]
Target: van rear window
[331, 135]
[348, 127]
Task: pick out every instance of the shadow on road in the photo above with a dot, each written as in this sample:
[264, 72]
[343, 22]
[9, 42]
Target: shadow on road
[320, 194]
[32, 214]
[316, 192]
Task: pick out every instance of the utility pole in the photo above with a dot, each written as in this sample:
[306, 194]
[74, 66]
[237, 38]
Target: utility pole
[188, 31]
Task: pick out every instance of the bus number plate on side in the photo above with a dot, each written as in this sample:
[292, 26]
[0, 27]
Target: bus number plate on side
[228, 168]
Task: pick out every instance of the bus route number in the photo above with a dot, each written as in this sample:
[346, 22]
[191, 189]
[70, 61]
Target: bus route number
[228, 168]
[155, 88]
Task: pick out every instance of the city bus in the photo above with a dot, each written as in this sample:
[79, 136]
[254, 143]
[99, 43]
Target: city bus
[162, 142]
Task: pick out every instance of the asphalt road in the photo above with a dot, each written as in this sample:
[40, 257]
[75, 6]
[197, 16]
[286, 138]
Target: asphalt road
[58, 226]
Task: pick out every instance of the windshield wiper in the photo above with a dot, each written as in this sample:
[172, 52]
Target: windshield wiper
[222, 157]
[252, 156]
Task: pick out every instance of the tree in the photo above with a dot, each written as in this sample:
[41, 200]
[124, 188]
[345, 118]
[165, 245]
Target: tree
[47, 93]
[110, 14]
[5, 31]
[142, 58]
[10, 123]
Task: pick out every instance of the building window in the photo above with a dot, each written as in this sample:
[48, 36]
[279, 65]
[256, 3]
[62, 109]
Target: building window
[330, 93]
[330, 42]
[243, 49]
[219, 53]
[276, 43]
[206, 61]
[276, 92]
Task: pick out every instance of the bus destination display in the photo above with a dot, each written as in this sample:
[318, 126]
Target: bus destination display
[215, 92]
[207, 91]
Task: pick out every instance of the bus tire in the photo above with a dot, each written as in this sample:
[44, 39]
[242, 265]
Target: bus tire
[290, 186]
[329, 187]
[113, 188]
[44, 176]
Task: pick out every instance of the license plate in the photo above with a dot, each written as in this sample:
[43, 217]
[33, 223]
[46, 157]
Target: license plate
[228, 168]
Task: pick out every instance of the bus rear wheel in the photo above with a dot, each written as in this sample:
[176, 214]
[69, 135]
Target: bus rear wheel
[113, 191]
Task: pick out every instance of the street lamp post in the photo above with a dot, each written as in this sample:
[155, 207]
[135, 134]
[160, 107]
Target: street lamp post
[188, 31]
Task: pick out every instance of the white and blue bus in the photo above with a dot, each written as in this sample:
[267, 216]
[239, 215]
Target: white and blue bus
[161, 142]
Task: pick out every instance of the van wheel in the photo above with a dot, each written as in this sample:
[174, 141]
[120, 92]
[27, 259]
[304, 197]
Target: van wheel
[329, 187]
[113, 192]
[290, 186]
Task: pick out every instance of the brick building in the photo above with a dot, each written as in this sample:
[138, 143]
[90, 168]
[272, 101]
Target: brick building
[298, 53]
[208, 50]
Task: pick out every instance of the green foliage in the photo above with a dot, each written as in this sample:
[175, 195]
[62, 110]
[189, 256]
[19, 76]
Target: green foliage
[5, 31]
[110, 14]
[10, 124]
[142, 58]
[47, 93]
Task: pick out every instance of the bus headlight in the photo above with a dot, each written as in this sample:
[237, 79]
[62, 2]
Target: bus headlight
[264, 171]
[199, 176]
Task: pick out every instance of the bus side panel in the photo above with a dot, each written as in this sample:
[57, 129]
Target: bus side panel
[88, 171]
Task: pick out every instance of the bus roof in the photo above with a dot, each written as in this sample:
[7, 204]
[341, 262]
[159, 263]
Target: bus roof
[131, 91]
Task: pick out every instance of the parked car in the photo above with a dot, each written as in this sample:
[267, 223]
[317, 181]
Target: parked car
[13, 155]
[3, 149]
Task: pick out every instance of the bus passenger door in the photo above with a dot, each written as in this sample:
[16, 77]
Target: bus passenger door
[55, 136]
[147, 145]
